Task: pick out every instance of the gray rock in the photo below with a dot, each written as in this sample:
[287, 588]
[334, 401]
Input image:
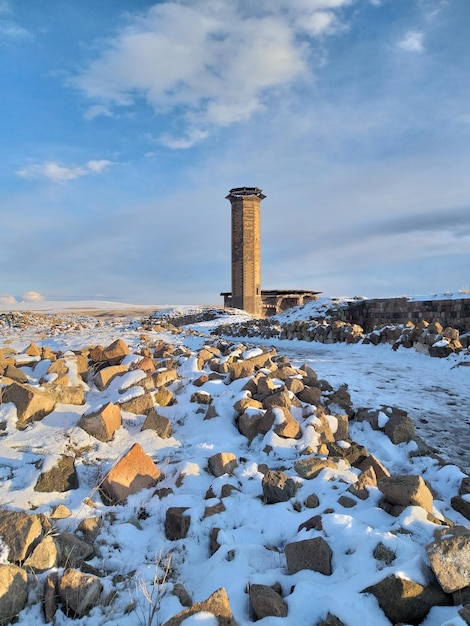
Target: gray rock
[278, 487]
[62, 477]
[406, 490]
[314, 554]
[267, 602]
[19, 531]
[177, 523]
[405, 601]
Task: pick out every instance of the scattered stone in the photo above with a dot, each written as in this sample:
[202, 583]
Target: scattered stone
[62, 477]
[462, 505]
[383, 554]
[90, 527]
[141, 405]
[177, 523]
[406, 490]
[265, 602]
[158, 423]
[19, 531]
[72, 550]
[13, 585]
[50, 596]
[222, 463]
[105, 375]
[400, 428]
[278, 487]
[61, 512]
[314, 554]
[31, 404]
[102, 424]
[309, 467]
[405, 601]
[133, 472]
[112, 354]
[79, 592]
[450, 560]
[217, 604]
[44, 556]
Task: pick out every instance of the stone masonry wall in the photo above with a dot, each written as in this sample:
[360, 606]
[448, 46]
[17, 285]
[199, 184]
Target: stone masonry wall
[372, 313]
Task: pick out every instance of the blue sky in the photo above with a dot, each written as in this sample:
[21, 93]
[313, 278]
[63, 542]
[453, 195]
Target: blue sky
[126, 122]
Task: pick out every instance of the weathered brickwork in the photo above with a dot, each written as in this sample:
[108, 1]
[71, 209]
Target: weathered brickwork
[372, 313]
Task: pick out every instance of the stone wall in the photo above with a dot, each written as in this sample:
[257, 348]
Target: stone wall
[372, 313]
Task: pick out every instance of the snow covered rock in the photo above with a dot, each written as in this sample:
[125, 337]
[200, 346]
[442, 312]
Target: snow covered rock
[31, 404]
[62, 477]
[314, 554]
[278, 487]
[217, 604]
[102, 423]
[266, 601]
[450, 558]
[405, 601]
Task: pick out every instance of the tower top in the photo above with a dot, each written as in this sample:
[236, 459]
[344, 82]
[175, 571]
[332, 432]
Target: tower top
[238, 192]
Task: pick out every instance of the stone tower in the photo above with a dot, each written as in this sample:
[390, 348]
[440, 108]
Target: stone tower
[246, 264]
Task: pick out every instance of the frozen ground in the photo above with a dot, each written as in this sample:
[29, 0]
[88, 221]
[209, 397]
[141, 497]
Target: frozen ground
[252, 535]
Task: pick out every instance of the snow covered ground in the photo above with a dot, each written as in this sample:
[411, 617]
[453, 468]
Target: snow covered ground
[252, 534]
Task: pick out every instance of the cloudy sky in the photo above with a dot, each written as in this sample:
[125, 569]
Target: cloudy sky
[124, 123]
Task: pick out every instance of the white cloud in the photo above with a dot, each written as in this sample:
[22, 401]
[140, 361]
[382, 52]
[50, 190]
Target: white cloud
[32, 296]
[214, 63]
[59, 173]
[97, 110]
[412, 41]
[7, 298]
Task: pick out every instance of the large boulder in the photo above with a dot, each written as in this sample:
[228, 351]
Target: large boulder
[31, 404]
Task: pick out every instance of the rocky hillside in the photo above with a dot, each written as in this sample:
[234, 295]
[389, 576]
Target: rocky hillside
[167, 476]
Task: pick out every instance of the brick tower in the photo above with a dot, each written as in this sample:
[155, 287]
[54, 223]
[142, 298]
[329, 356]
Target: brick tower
[246, 264]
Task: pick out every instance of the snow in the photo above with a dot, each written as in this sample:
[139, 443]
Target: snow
[252, 534]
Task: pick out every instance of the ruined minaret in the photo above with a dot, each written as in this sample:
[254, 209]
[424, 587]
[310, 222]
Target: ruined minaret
[246, 263]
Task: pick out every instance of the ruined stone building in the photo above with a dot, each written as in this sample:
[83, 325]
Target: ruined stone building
[246, 291]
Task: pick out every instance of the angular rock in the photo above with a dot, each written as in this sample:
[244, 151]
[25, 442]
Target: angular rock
[222, 463]
[217, 604]
[105, 375]
[19, 531]
[405, 601]
[163, 396]
[406, 490]
[62, 477]
[177, 523]
[79, 592]
[141, 405]
[267, 602]
[14, 373]
[314, 554]
[103, 423]
[31, 404]
[112, 354]
[310, 395]
[164, 376]
[50, 596]
[43, 557]
[72, 550]
[90, 527]
[160, 424]
[450, 560]
[133, 472]
[461, 505]
[201, 397]
[278, 487]
[400, 429]
[309, 467]
[13, 586]
[248, 425]
[66, 394]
